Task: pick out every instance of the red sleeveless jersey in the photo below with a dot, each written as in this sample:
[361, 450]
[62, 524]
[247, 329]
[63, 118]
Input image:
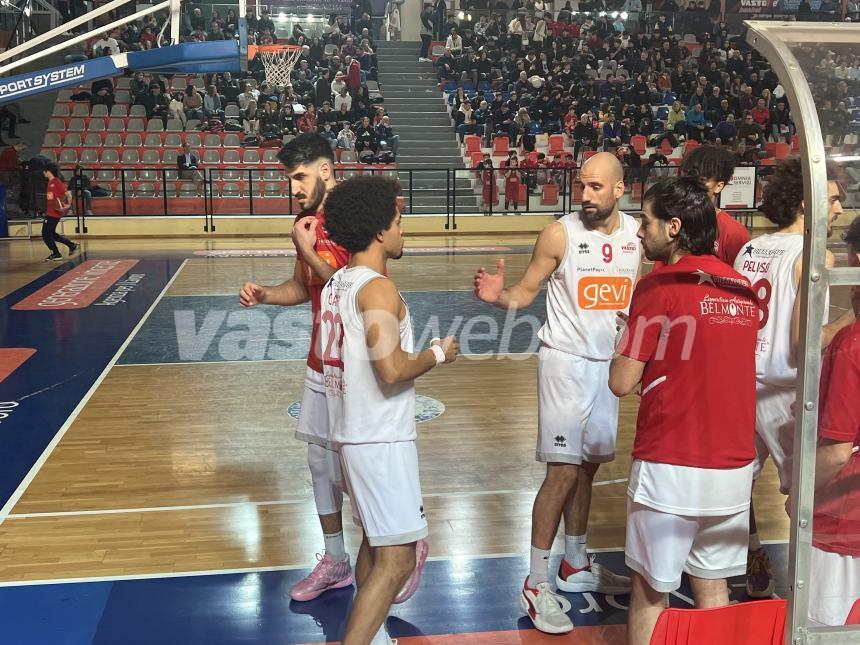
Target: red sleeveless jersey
[336, 257]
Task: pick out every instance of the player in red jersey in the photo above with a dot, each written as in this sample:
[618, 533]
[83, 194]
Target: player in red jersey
[835, 558]
[693, 454]
[714, 167]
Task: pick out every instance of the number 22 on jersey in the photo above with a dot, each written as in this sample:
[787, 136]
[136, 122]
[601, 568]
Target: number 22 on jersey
[333, 350]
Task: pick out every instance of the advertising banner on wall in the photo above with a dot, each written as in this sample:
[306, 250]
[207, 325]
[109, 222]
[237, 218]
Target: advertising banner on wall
[740, 192]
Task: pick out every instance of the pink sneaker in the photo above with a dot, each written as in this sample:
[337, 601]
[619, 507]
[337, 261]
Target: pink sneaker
[411, 585]
[328, 574]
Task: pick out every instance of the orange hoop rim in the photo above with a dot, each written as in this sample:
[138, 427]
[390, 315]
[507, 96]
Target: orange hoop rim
[253, 50]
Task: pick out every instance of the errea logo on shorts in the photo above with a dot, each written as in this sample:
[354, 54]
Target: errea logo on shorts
[604, 292]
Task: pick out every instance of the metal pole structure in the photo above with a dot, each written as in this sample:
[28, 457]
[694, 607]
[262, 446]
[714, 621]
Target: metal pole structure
[77, 39]
[80, 20]
[205, 200]
[175, 21]
[770, 39]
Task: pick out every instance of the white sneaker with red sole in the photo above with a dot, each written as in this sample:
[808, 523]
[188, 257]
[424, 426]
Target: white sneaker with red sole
[594, 578]
[547, 610]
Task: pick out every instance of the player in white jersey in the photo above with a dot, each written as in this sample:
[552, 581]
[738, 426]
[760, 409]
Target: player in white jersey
[773, 265]
[309, 163]
[370, 367]
[591, 260]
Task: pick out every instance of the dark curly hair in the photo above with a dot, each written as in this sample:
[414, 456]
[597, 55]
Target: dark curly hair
[687, 199]
[783, 193]
[709, 162]
[359, 209]
[852, 235]
[305, 148]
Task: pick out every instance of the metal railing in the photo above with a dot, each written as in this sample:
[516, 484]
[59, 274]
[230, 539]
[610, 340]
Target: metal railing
[264, 191]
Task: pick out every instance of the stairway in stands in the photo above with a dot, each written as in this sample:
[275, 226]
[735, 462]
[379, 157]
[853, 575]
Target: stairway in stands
[427, 139]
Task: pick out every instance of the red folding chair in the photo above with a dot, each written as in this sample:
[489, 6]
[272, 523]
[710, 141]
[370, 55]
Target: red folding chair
[473, 143]
[550, 195]
[500, 146]
[639, 144]
[666, 147]
[760, 622]
[556, 144]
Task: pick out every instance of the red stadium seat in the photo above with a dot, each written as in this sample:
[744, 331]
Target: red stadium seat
[748, 623]
[666, 147]
[781, 150]
[473, 143]
[500, 146]
[476, 158]
[550, 195]
[639, 144]
[556, 144]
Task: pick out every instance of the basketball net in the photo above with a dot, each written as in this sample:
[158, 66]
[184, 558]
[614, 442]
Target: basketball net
[278, 62]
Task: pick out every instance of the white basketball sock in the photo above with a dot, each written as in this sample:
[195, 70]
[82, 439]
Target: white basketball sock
[334, 545]
[574, 551]
[538, 567]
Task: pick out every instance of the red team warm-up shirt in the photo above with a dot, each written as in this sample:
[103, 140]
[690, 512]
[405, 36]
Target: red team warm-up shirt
[336, 257]
[836, 516]
[687, 417]
[57, 189]
[731, 238]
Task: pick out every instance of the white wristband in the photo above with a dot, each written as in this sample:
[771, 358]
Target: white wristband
[439, 353]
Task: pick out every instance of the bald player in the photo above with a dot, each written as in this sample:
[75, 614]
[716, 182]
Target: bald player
[590, 260]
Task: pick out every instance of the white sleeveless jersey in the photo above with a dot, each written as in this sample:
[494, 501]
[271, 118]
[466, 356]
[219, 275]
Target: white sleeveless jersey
[362, 409]
[593, 281]
[768, 262]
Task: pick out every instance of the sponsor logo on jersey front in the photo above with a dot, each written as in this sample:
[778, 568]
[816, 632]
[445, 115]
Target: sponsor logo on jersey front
[728, 311]
[604, 292]
[630, 247]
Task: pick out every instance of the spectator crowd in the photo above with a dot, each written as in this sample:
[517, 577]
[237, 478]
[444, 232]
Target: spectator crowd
[616, 81]
[332, 89]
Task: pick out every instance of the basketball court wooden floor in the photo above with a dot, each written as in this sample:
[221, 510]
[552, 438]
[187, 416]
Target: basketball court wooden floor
[153, 491]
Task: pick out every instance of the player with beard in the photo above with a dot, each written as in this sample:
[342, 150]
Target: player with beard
[310, 166]
[590, 260]
[773, 263]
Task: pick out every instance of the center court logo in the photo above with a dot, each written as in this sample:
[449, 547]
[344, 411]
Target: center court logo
[604, 292]
[426, 409]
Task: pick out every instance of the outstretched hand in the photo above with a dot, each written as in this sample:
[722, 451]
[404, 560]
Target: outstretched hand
[489, 286]
[252, 294]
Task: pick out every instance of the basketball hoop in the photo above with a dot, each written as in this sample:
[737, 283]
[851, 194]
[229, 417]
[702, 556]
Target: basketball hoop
[278, 61]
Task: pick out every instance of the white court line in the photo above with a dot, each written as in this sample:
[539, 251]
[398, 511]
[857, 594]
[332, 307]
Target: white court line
[28, 479]
[289, 567]
[280, 502]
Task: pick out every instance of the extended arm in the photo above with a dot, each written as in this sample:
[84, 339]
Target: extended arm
[380, 304]
[547, 255]
[286, 294]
